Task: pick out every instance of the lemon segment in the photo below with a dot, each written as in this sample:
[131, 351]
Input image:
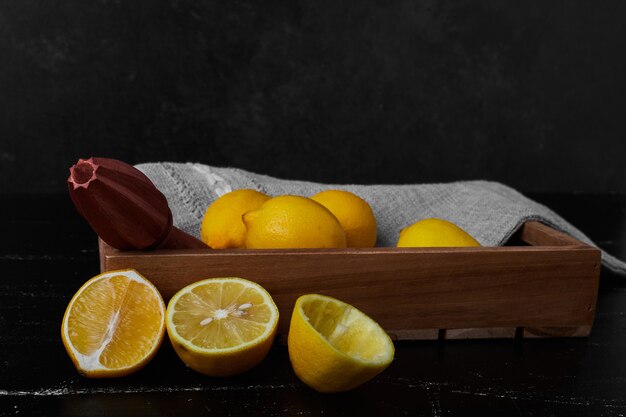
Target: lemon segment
[114, 324]
[222, 227]
[434, 232]
[333, 346]
[354, 214]
[222, 326]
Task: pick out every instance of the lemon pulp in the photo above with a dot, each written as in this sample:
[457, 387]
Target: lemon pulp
[222, 326]
[114, 324]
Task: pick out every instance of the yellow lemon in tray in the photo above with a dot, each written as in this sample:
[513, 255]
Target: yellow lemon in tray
[114, 324]
[435, 233]
[222, 226]
[333, 346]
[222, 326]
[354, 214]
[290, 221]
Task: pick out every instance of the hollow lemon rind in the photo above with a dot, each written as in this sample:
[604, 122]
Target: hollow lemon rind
[322, 366]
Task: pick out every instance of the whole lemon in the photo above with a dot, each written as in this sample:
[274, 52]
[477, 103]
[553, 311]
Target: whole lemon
[435, 232]
[222, 226]
[354, 214]
[293, 222]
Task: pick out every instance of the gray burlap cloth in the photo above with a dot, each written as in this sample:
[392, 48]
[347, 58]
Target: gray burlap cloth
[491, 212]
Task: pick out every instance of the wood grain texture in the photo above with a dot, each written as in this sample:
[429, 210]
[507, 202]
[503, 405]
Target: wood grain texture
[406, 290]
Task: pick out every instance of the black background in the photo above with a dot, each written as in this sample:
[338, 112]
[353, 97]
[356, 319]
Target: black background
[530, 93]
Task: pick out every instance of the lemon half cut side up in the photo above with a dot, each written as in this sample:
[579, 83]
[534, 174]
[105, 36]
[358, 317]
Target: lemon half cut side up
[222, 326]
[114, 324]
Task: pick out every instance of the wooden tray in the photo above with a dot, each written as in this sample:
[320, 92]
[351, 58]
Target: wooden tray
[546, 287]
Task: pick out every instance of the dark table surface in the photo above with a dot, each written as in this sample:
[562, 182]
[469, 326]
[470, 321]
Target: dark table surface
[48, 251]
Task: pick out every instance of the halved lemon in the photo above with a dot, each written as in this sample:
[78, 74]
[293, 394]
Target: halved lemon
[114, 324]
[333, 346]
[222, 326]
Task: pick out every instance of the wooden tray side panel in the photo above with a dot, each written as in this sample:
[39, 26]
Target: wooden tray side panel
[539, 234]
[409, 292]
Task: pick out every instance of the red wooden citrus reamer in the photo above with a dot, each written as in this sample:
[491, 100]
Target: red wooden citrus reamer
[124, 207]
